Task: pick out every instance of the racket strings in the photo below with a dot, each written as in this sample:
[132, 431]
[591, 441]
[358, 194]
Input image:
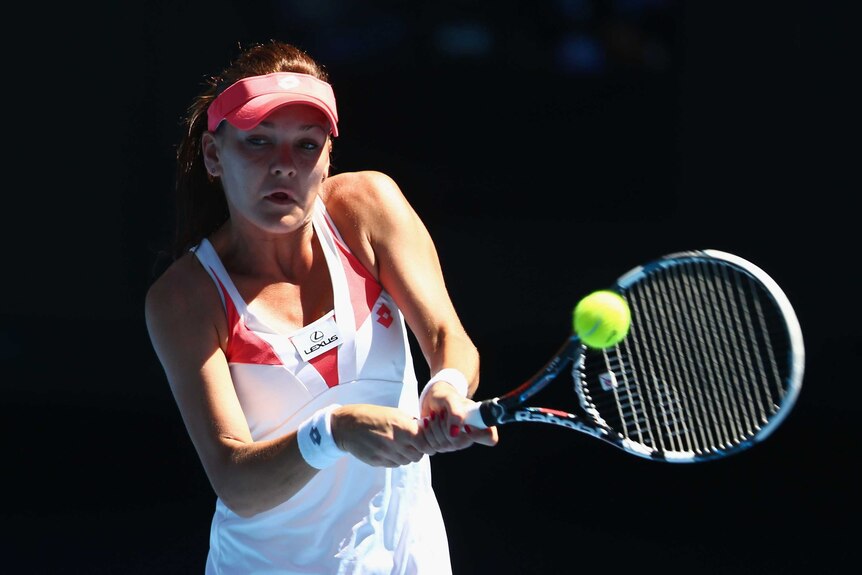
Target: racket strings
[655, 402]
[665, 334]
[750, 405]
[698, 371]
[713, 343]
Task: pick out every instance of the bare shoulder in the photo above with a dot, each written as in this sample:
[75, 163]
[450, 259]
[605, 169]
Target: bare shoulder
[369, 209]
[361, 190]
[183, 292]
[369, 201]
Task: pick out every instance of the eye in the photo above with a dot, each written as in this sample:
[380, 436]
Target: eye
[309, 145]
[257, 140]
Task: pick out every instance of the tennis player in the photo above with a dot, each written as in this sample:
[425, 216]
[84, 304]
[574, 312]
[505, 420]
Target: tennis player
[281, 325]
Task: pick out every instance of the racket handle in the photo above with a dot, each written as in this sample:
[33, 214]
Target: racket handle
[474, 416]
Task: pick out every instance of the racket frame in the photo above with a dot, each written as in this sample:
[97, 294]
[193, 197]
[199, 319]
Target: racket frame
[511, 407]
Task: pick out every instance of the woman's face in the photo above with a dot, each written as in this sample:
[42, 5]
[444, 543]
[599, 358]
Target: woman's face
[272, 173]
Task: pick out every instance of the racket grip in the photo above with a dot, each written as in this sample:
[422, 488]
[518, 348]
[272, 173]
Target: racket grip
[474, 417]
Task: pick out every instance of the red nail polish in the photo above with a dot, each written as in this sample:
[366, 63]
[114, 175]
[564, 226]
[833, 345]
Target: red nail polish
[467, 428]
[453, 431]
[425, 422]
[433, 415]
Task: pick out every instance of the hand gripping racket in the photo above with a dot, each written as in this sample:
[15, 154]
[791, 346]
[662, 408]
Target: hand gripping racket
[711, 365]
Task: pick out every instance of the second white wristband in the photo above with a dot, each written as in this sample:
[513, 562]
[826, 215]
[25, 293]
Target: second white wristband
[451, 376]
[316, 443]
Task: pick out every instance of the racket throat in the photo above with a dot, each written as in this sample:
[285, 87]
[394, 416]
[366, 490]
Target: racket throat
[496, 412]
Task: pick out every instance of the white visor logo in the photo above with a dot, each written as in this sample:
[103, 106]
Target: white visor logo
[288, 82]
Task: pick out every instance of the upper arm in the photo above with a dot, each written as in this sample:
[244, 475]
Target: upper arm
[398, 246]
[181, 312]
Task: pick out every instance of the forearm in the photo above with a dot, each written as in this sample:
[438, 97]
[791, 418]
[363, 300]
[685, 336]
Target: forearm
[254, 477]
[455, 350]
[260, 475]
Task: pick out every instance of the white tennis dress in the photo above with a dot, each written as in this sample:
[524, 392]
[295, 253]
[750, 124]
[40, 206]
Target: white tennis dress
[351, 518]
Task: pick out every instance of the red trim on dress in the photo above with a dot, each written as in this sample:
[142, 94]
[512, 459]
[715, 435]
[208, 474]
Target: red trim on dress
[243, 346]
[326, 365]
[364, 289]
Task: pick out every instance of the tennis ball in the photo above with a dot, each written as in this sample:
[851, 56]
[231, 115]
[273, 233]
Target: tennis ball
[602, 319]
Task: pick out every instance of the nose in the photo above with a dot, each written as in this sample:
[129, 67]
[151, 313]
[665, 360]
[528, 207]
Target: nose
[283, 164]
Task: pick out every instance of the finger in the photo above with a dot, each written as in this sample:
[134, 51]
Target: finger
[487, 436]
[421, 443]
[412, 454]
[449, 436]
[408, 446]
[384, 460]
[400, 457]
[434, 433]
[411, 441]
[439, 432]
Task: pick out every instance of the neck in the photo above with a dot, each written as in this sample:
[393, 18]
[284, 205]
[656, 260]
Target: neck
[282, 257]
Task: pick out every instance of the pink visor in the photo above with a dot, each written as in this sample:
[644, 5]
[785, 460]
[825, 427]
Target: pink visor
[248, 101]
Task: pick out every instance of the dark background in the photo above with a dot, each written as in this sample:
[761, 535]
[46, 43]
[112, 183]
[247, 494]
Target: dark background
[549, 146]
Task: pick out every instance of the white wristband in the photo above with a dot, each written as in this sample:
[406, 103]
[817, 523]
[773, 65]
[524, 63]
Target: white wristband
[316, 443]
[451, 376]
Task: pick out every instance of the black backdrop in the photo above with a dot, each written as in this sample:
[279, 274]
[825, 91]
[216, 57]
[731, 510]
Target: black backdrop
[540, 178]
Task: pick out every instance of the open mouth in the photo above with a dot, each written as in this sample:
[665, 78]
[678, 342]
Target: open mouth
[278, 198]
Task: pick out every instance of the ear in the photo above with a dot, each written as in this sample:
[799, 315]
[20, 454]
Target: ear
[210, 149]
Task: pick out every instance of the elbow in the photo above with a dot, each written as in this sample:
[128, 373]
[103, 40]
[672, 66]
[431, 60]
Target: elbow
[241, 501]
[238, 491]
[251, 480]
[232, 477]
[244, 512]
[248, 495]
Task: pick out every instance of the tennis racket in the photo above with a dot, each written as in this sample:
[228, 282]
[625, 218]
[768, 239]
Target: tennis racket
[711, 365]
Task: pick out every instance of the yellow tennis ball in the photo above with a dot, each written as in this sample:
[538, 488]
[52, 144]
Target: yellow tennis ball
[602, 319]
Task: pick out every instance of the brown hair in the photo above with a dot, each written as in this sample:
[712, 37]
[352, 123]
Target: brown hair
[200, 202]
